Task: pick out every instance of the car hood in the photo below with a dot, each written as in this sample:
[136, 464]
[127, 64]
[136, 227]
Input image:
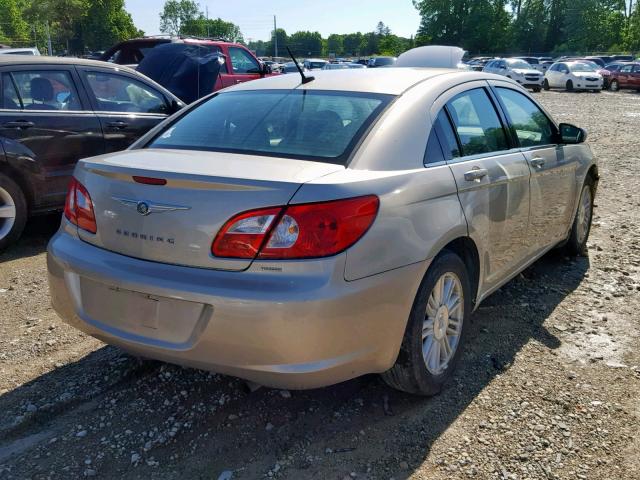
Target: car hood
[585, 74]
[526, 71]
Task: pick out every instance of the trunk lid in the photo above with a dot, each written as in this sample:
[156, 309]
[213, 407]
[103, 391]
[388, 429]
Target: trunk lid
[177, 222]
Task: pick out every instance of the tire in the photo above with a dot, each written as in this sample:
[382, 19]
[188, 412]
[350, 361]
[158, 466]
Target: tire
[536, 89]
[13, 211]
[577, 242]
[569, 86]
[410, 372]
[614, 86]
[545, 84]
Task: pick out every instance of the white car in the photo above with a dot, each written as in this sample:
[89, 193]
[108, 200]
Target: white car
[574, 75]
[518, 70]
[314, 63]
[20, 51]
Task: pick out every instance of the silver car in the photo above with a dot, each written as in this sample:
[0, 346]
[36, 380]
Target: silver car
[298, 235]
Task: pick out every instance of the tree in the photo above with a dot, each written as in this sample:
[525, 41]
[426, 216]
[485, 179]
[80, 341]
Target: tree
[13, 29]
[306, 44]
[352, 43]
[283, 40]
[335, 44]
[106, 23]
[213, 28]
[176, 13]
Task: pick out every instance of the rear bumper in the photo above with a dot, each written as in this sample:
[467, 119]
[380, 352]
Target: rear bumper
[302, 327]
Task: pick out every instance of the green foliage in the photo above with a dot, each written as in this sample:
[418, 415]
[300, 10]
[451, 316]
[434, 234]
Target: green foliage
[176, 13]
[305, 44]
[213, 28]
[13, 28]
[107, 23]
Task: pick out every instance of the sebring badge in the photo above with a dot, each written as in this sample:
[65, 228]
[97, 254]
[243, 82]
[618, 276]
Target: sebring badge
[147, 208]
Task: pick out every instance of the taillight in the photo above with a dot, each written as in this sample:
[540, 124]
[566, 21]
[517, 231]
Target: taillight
[297, 231]
[78, 207]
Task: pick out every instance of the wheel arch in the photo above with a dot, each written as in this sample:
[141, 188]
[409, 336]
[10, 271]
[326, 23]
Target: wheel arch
[467, 250]
[21, 179]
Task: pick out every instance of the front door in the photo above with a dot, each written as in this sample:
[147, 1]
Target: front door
[553, 186]
[127, 107]
[46, 112]
[493, 184]
[245, 66]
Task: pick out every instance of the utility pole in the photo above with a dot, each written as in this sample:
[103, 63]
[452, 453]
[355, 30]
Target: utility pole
[275, 36]
[49, 40]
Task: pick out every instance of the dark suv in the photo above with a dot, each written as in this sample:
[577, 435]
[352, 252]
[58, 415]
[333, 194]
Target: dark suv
[55, 111]
[241, 64]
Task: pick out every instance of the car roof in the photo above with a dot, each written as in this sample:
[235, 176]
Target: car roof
[44, 60]
[391, 81]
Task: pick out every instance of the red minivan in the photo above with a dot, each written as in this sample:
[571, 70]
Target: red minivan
[241, 65]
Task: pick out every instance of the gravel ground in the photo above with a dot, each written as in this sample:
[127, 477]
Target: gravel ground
[547, 389]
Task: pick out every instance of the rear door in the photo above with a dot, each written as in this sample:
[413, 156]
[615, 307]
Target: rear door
[47, 112]
[553, 185]
[636, 76]
[127, 107]
[492, 180]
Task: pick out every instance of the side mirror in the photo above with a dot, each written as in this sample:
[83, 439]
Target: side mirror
[265, 69]
[570, 134]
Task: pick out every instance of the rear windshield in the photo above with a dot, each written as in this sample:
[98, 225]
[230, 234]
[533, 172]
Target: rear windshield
[309, 125]
[583, 67]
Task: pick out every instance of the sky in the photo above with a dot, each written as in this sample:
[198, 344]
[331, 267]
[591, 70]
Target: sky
[255, 17]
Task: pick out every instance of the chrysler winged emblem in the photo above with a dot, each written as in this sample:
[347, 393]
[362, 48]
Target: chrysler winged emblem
[145, 208]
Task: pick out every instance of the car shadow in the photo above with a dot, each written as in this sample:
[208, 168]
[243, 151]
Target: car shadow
[360, 424]
[34, 239]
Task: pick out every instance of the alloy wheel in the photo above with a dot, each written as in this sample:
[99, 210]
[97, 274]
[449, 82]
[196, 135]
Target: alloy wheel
[7, 213]
[584, 214]
[442, 326]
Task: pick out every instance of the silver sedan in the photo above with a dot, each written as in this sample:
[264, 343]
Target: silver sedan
[298, 235]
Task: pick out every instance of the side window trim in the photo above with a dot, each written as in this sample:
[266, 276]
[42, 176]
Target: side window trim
[510, 127]
[463, 157]
[73, 77]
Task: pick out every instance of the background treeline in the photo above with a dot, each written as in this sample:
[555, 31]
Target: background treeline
[479, 26]
[531, 26]
[74, 25]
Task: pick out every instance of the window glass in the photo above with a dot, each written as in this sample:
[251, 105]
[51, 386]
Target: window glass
[433, 154]
[116, 93]
[477, 123]
[636, 69]
[318, 125]
[530, 124]
[9, 100]
[626, 69]
[242, 61]
[447, 136]
[47, 90]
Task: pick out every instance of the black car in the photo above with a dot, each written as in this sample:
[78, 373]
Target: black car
[55, 111]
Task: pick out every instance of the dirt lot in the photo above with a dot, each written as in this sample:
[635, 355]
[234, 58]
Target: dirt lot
[549, 387]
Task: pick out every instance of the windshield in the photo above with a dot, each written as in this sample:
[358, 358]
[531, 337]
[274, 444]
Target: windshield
[317, 64]
[583, 67]
[381, 61]
[519, 64]
[311, 125]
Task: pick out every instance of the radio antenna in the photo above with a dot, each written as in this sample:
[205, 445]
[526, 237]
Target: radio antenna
[305, 79]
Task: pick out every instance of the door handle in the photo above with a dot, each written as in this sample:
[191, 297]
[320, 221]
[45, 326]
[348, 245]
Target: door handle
[117, 125]
[537, 162]
[22, 124]
[476, 174]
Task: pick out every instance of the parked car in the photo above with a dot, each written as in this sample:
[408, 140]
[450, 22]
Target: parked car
[615, 66]
[377, 62]
[307, 234]
[628, 76]
[573, 75]
[356, 65]
[241, 65]
[20, 51]
[478, 63]
[534, 62]
[597, 60]
[622, 58]
[518, 70]
[335, 66]
[54, 111]
[315, 63]
[290, 67]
